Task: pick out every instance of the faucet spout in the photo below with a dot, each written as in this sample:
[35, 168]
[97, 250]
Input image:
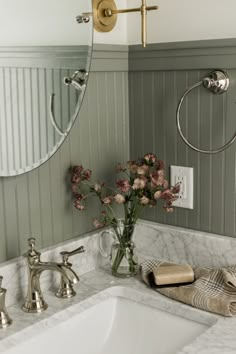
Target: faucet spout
[65, 271]
[35, 302]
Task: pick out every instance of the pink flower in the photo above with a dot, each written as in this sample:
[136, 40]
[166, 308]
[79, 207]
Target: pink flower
[87, 174]
[144, 200]
[157, 195]
[78, 205]
[80, 197]
[74, 187]
[157, 178]
[139, 183]
[119, 199]
[77, 169]
[77, 201]
[160, 165]
[142, 170]
[107, 200]
[149, 157]
[168, 195]
[97, 223]
[176, 189]
[123, 185]
[132, 166]
[76, 174]
[120, 168]
[75, 179]
[165, 184]
[169, 209]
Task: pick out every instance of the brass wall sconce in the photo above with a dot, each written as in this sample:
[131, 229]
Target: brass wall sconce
[105, 16]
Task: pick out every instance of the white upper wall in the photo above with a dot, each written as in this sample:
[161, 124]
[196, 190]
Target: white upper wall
[52, 22]
[43, 22]
[185, 20]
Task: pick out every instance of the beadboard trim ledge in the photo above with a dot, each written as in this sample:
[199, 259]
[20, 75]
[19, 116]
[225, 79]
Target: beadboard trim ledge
[205, 54]
[107, 57]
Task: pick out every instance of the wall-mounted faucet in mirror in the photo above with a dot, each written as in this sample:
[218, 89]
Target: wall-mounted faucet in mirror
[35, 58]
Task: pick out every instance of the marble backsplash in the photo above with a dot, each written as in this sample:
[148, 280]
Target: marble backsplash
[152, 240]
[184, 245]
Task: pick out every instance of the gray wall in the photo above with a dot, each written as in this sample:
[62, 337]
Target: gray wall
[39, 203]
[157, 79]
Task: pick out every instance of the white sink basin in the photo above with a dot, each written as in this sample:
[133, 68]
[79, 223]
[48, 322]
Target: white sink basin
[115, 326]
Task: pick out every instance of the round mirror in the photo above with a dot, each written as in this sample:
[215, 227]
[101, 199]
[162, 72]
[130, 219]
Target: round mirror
[45, 54]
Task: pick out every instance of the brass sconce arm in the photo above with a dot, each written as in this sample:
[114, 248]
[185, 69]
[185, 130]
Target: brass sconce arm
[105, 16]
[109, 12]
[143, 10]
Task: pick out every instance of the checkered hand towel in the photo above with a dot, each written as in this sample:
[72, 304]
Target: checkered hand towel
[213, 290]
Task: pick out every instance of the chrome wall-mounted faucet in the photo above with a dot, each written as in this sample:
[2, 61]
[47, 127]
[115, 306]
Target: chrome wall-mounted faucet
[66, 289]
[5, 319]
[35, 302]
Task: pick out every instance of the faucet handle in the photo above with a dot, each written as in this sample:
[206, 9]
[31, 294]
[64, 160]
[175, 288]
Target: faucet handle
[32, 251]
[31, 243]
[66, 289]
[5, 319]
[65, 254]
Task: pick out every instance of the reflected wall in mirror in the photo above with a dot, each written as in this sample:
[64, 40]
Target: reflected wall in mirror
[41, 45]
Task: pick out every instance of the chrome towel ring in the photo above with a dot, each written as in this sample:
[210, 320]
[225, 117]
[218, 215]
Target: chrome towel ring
[79, 81]
[217, 82]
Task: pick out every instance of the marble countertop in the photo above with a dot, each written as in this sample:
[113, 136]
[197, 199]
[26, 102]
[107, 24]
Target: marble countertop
[98, 285]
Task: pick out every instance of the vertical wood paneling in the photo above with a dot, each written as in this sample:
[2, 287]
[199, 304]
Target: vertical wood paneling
[125, 114]
[35, 211]
[230, 162]
[3, 150]
[21, 116]
[46, 205]
[27, 134]
[192, 117]
[28, 114]
[169, 132]
[11, 217]
[205, 180]
[39, 203]
[22, 209]
[208, 121]
[3, 248]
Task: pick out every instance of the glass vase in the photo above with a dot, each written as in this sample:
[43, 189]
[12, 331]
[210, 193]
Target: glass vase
[123, 258]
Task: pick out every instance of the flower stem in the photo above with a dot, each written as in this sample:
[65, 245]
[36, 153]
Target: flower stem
[117, 261]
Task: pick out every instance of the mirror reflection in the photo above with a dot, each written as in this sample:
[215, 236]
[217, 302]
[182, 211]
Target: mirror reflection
[44, 60]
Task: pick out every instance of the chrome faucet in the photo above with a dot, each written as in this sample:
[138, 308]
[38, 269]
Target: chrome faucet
[5, 319]
[35, 302]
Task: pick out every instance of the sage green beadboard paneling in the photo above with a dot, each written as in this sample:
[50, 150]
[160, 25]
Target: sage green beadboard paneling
[39, 203]
[157, 80]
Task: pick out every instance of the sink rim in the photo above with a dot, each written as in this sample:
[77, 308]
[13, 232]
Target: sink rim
[142, 295]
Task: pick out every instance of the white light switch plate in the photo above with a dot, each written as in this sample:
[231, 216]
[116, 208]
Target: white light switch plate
[183, 176]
